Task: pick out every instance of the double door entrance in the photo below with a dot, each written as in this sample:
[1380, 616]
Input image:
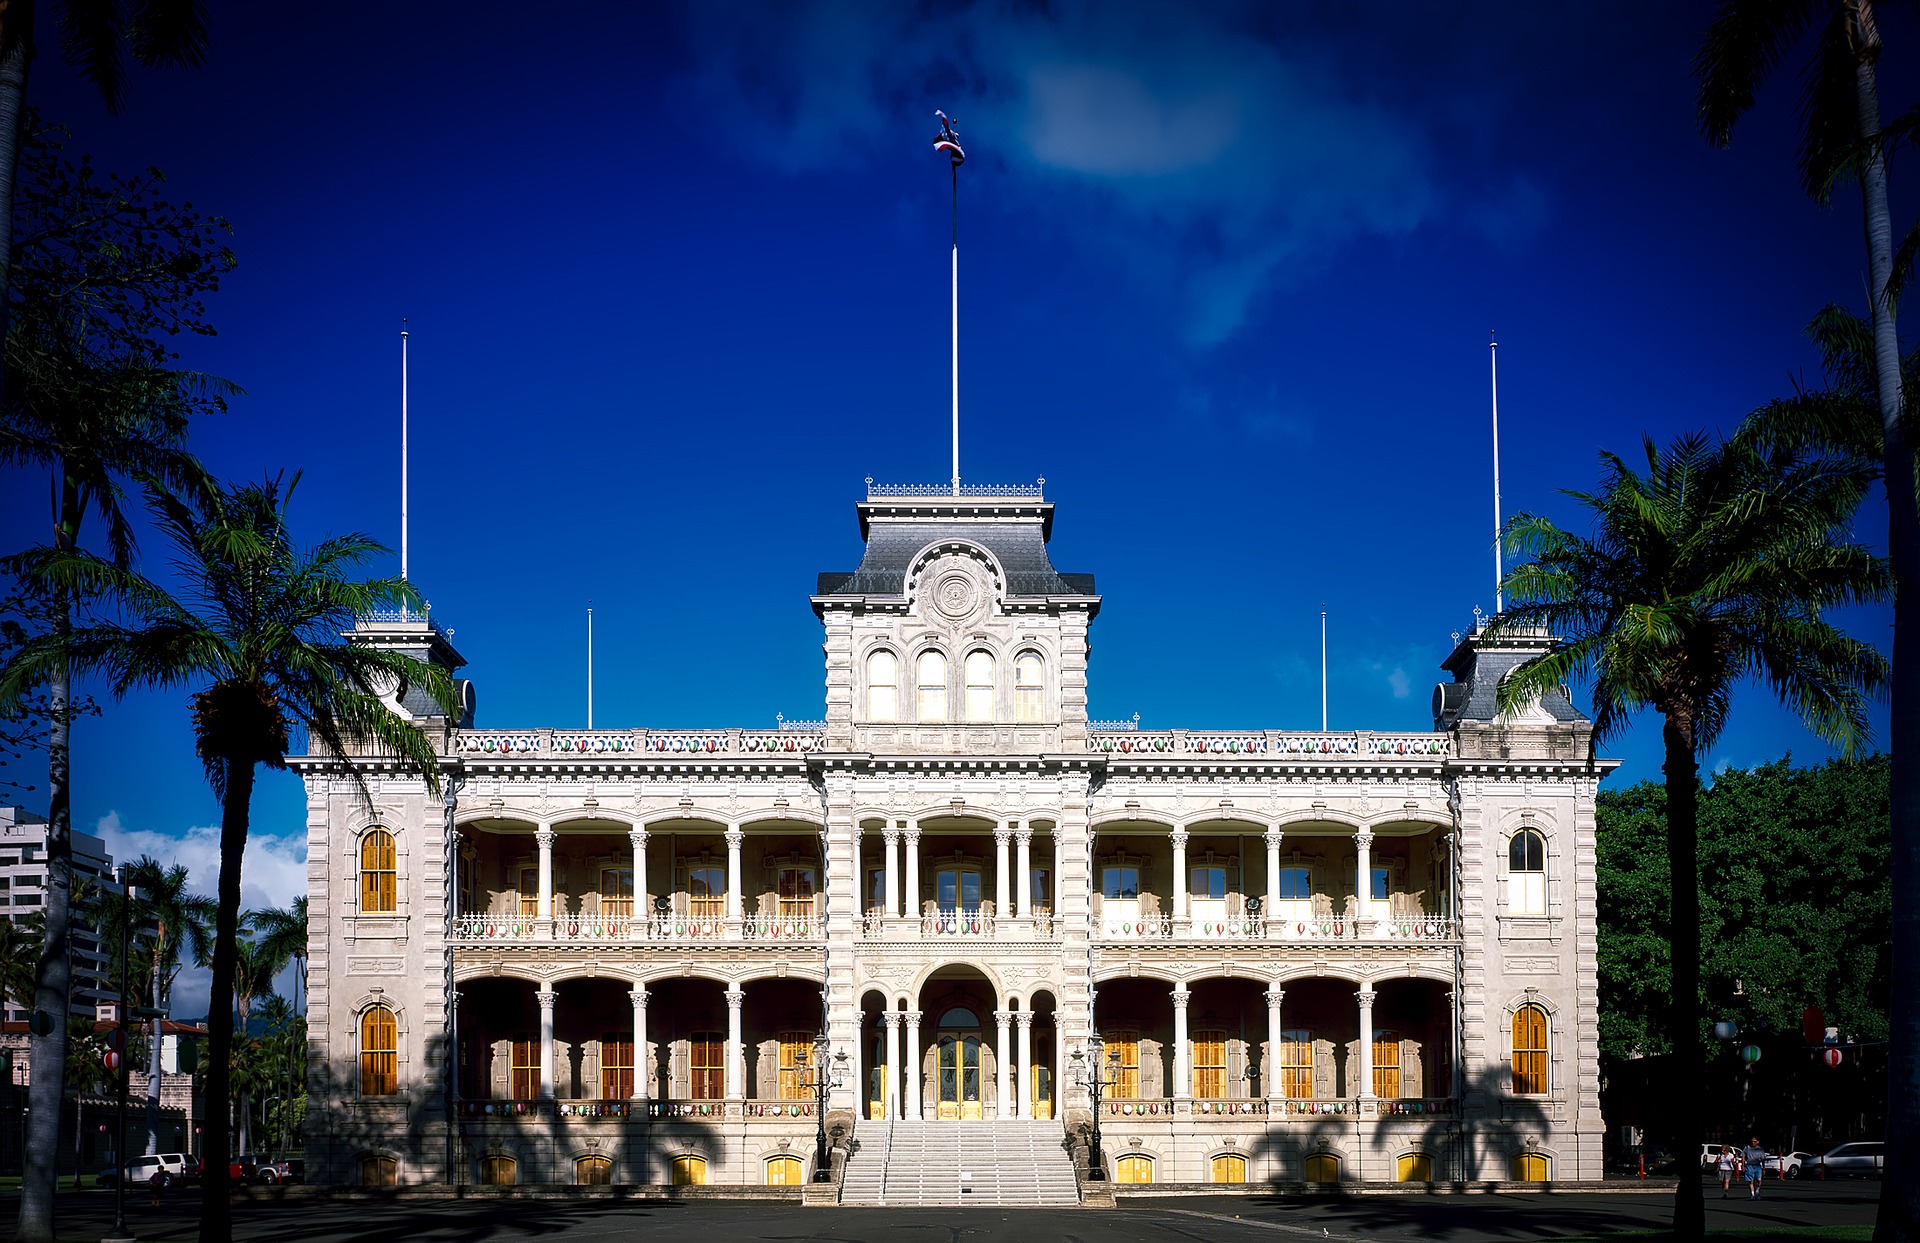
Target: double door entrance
[957, 1077]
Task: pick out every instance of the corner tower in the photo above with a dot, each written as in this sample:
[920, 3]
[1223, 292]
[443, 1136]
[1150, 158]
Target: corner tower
[955, 634]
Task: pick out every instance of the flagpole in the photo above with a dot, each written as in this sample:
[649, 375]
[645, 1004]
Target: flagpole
[1323, 671]
[948, 143]
[1499, 560]
[589, 664]
[403, 449]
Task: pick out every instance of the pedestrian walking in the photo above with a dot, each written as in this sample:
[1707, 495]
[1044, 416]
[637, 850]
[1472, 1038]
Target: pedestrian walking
[158, 1185]
[1756, 1159]
[1726, 1170]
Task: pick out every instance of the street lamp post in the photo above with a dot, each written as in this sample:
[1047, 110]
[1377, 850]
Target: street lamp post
[129, 895]
[829, 1072]
[1095, 1073]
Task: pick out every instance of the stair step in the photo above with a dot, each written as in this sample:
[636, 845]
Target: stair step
[1009, 1163]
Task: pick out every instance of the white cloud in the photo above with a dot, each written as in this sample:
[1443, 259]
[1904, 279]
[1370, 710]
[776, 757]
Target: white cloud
[1399, 683]
[273, 872]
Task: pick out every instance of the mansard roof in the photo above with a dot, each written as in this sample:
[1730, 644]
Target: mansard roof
[1011, 524]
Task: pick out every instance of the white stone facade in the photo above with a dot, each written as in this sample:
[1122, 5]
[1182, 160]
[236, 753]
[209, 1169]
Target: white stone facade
[1360, 956]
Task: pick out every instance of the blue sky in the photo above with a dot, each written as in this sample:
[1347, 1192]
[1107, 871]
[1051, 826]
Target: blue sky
[676, 279]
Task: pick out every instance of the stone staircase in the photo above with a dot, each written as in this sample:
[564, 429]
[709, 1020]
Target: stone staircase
[986, 1163]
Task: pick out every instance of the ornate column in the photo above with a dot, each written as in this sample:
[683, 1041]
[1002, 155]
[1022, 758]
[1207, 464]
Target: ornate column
[1363, 865]
[1182, 1048]
[892, 837]
[545, 997]
[1003, 1066]
[1365, 998]
[1276, 1084]
[543, 838]
[1181, 881]
[735, 839]
[1023, 873]
[641, 911]
[1023, 1091]
[1273, 837]
[911, 1070]
[642, 1065]
[891, 1094]
[1002, 871]
[736, 1049]
[910, 900]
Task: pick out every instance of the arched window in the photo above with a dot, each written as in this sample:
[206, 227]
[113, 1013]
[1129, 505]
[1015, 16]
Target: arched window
[931, 679]
[979, 687]
[1415, 1167]
[689, 1171]
[379, 1050]
[379, 1171]
[1133, 1168]
[1529, 1051]
[499, 1171]
[883, 687]
[1530, 1167]
[1229, 1168]
[1029, 675]
[592, 1170]
[1322, 1167]
[1527, 873]
[379, 890]
[785, 1172]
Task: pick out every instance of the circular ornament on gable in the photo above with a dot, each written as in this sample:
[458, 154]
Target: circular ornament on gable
[956, 594]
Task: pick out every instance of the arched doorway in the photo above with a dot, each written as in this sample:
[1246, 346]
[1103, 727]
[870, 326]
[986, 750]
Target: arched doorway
[960, 1060]
[957, 1080]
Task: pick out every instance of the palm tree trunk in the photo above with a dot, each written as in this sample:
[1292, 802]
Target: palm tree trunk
[16, 34]
[46, 1094]
[216, 1212]
[153, 1065]
[1688, 1059]
[1899, 1214]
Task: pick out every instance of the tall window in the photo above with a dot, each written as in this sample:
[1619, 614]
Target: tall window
[616, 1067]
[707, 892]
[931, 679]
[1124, 1069]
[877, 891]
[1381, 884]
[796, 893]
[883, 687]
[1210, 1065]
[379, 1051]
[523, 1081]
[979, 687]
[795, 1049]
[1527, 869]
[616, 892]
[1529, 1051]
[379, 1171]
[957, 889]
[592, 1170]
[1386, 1065]
[1296, 884]
[1040, 888]
[1207, 882]
[499, 1171]
[529, 892]
[378, 888]
[707, 1055]
[1119, 881]
[1296, 1064]
[1029, 708]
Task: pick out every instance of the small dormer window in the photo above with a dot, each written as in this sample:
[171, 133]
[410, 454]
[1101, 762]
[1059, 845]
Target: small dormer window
[932, 673]
[979, 687]
[883, 687]
[1029, 677]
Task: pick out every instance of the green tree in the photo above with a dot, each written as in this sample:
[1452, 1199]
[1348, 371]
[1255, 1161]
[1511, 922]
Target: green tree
[19, 958]
[1841, 138]
[181, 921]
[102, 270]
[1714, 567]
[283, 934]
[85, 1066]
[261, 636]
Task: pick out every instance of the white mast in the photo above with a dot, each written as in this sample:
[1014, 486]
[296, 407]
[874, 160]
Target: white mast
[589, 664]
[403, 448]
[948, 142]
[1323, 671]
[1499, 561]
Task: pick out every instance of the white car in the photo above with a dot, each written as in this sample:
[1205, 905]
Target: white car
[1787, 1165]
[140, 1170]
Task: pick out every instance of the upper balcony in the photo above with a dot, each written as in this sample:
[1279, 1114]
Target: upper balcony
[792, 740]
[1268, 746]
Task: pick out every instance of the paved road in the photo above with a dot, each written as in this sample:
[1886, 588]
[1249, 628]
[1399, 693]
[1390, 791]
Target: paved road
[1203, 1219]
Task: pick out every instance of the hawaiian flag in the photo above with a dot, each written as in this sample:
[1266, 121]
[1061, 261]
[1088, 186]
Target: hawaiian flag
[949, 140]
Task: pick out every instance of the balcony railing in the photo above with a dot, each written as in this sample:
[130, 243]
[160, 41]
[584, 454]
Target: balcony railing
[686, 1109]
[1267, 744]
[1110, 929]
[1228, 1108]
[1139, 1106]
[605, 930]
[779, 1109]
[959, 922]
[793, 738]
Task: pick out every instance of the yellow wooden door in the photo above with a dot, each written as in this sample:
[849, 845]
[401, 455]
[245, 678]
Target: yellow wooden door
[1042, 1094]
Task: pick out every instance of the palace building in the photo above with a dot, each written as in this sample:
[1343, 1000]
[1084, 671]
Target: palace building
[1291, 957]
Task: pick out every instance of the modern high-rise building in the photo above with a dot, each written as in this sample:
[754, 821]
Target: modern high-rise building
[23, 886]
[1279, 956]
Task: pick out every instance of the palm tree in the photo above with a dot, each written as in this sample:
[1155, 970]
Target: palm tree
[181, 921]
[86, 1066]
[253, 972]
[279, 1047]
[283, 931]
[1842, 136]
[260, 629]
[1713, 567]
[19, 954]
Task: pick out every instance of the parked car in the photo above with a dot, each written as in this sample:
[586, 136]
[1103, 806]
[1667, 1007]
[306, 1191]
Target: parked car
[1710, 1155]
[285, 1170]
[1787, 1164]
[1861, 1159]
[240, 1171]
